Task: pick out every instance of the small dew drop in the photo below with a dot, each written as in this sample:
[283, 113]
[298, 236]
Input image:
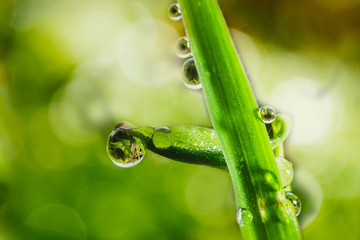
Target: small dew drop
[183, 47]
[190, 75]
[267, 114]
[295, 200]
[162, 137]
[123, 149]
[286, 171]
[243, 217]
[174, 12]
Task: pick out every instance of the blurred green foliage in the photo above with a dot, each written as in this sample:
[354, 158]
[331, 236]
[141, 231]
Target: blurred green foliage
[69, 70]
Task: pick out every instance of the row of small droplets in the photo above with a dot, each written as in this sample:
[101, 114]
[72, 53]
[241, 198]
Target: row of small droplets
[267, 115]
[189, 73]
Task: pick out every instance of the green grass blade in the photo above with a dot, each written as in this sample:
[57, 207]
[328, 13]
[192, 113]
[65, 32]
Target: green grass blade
[188, 144]
[242, 135]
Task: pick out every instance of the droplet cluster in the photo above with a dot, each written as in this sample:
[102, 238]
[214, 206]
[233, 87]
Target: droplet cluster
[267, 115]
[189, 73]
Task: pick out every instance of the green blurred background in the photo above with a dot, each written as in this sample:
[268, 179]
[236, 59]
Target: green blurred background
[71, 69]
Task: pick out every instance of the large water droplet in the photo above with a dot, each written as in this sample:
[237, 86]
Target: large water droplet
[174, 12]
[267, 114]
[286, 171]
[123, 149]
[295, 200]
[183, 47]
[162, 137]
[243, 217]
[190, 75]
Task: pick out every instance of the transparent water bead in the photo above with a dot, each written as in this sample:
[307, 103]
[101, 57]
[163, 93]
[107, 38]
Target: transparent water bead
[295, 200]
[162, 137]
[267, 114]
[286, 171]
[190, 75]
[183, 47]
[123, 149]
[174, 12]
[243, 217]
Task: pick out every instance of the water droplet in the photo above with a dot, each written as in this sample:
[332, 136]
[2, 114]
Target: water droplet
[190, 75]
[243, 217]
[174, 12]
[183, 47]
[162, 137]
[286, 171]
[295, 200]
[267, 114]
[123, 149]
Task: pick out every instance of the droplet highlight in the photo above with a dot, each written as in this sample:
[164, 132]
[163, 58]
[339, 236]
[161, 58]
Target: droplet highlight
[162, 137]
[123, 149]
[267, 114]
[183, 47]
[174, 12]
[295, 200]
[243, 217]
[190, 75]
[286, 171]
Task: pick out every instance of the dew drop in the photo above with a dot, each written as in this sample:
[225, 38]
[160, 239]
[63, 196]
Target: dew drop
[183, 47]
[123, 149]
[286, 171]
[267, 114]
[295, 200]
[174, 12]
[190, 75]
[162, 137]
[243, 217]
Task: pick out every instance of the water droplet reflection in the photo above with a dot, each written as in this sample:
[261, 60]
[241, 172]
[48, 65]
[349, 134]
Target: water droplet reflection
[123, 149]
[183, 47]
[190, 75]
[267, 114]
[174, 12]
